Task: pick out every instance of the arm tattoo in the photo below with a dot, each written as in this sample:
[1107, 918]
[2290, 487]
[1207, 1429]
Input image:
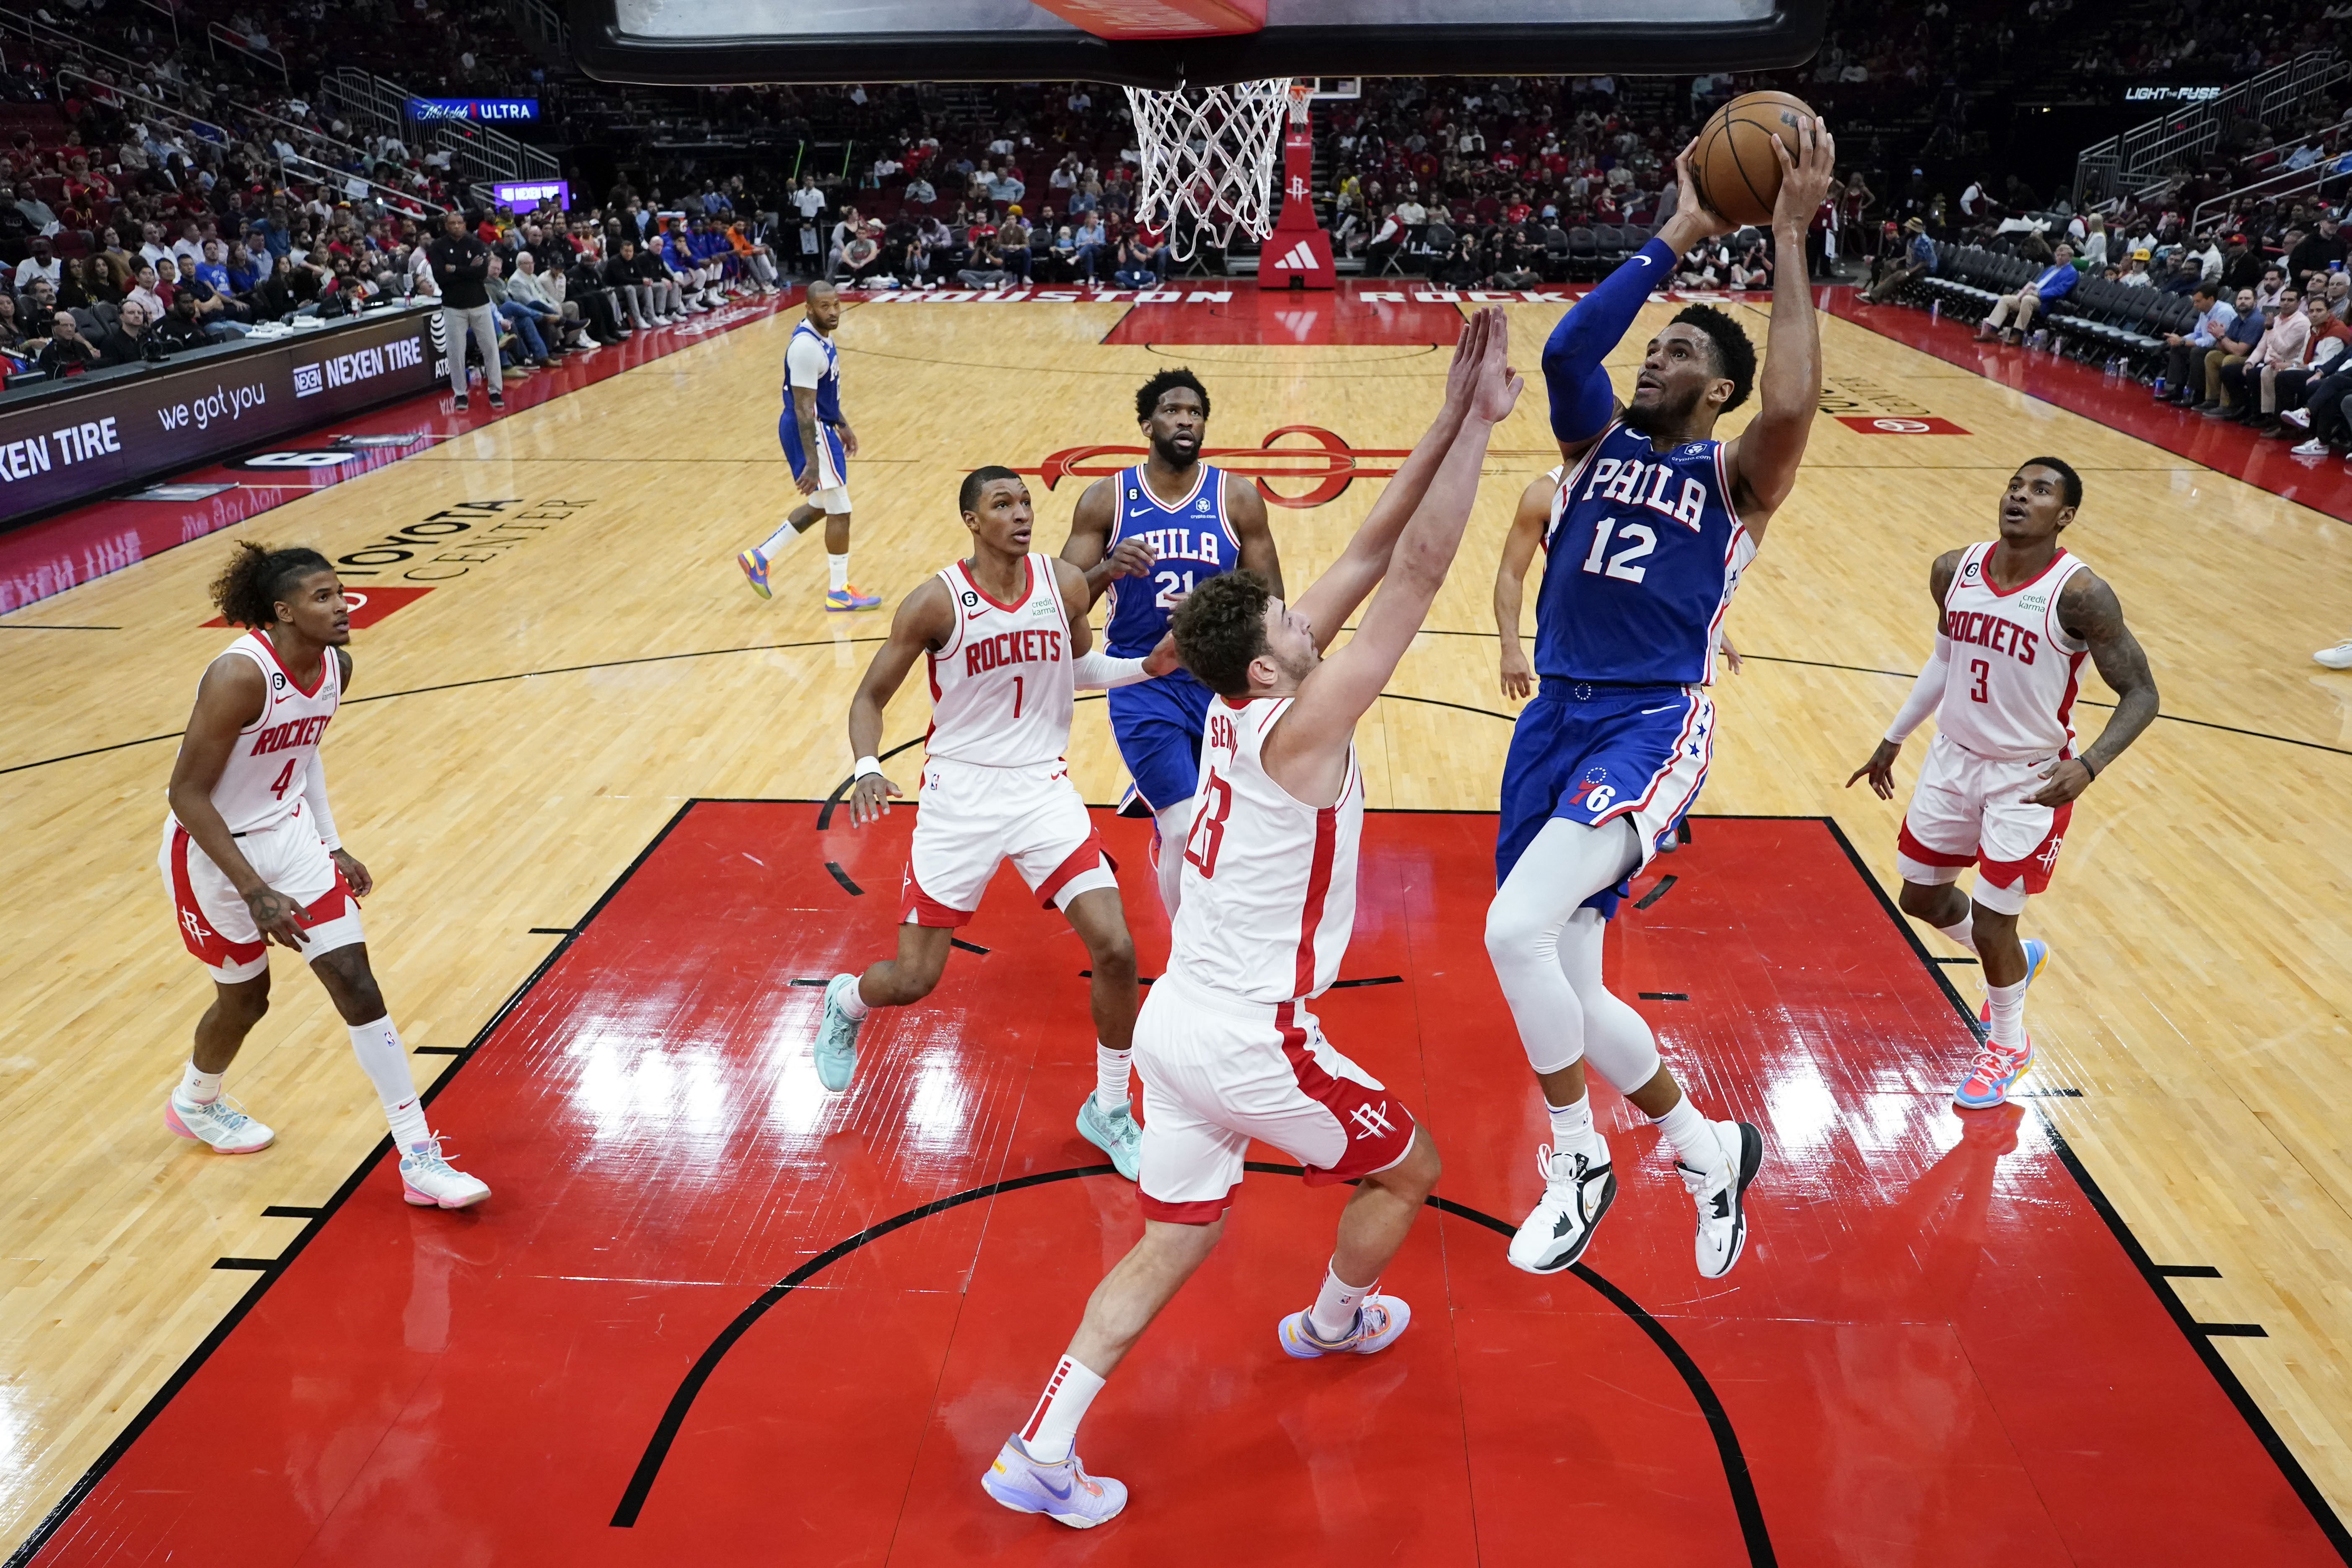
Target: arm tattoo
[2089, 609]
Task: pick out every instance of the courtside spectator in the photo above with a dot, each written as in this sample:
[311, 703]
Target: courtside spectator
[2056, 283]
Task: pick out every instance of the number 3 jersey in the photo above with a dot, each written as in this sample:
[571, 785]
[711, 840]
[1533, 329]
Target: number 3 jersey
[1642, 556]
[1193, 540]
[262, 783]
[1269, 889]
[2011, 680]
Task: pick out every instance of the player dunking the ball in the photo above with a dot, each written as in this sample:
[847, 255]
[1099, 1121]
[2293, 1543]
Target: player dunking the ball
[1006, 638]
[1650, 529]
[1227, 1047]
[1167, 525]
[250, 856]
[818, 443]
[2015, 619]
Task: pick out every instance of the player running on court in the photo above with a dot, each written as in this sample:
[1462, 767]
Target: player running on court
[1183, 521]
[1005, 636]
[250, 856]
[818, 443]
[2015, 619]
[1228, 1049]
[1652, 523]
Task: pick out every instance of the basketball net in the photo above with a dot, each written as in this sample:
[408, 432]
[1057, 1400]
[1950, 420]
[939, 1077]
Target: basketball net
[1208, 152]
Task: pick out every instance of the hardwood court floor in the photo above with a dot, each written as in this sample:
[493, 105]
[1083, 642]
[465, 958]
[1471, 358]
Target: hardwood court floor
[522, 731]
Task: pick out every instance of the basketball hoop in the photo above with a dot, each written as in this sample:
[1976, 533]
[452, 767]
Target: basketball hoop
[1209, 151]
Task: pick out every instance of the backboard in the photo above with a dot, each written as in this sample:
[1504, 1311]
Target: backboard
[1160, 42]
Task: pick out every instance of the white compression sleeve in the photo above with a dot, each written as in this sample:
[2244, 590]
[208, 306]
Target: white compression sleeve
[1097, 670]
[314, 795]
[1174, 822]
[1617, 1040]
[1926, 692]
[1567, 864]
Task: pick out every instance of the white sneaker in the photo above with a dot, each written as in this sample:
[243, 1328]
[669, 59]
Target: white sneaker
[218, 1124]
[429, 1181]
[2315, 448]
[2298, 417]
[1578, 1190]
[1722, 1200]
[2336, 658]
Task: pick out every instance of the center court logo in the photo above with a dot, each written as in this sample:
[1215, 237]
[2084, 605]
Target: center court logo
[1307, 453]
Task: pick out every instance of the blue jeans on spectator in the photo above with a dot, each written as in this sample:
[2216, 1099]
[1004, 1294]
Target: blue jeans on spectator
[526, 327]
[1133, 277]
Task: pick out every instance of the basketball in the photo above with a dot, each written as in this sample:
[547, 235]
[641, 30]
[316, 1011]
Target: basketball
[1738, 174]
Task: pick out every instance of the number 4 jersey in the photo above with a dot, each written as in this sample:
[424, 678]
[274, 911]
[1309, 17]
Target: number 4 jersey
[1641, 558]
[261, 785]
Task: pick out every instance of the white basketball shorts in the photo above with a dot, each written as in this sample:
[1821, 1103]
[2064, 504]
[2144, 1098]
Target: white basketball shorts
[1969, 810]
[214, 920]
[970, 819]
[1218, 1072]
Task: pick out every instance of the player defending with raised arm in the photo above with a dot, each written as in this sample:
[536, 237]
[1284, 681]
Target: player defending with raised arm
[1648, 534]
[818, 443]
[250, 856]
[1170, 523]
[1005, 636]
[1228, 1049]
[2014, 619]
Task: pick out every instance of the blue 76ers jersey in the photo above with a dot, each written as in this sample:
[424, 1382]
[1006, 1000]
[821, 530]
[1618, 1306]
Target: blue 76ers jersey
[827, 386]
[1642, 556]
[1194, 543]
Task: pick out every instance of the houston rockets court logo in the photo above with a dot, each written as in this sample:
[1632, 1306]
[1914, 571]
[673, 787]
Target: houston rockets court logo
[1307, 454]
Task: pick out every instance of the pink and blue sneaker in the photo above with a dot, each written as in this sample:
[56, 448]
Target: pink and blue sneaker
[1064, 1493]
[755, 567]
[1991, 1075]
[1378, 1321]
[840, 599]
[2037, 955]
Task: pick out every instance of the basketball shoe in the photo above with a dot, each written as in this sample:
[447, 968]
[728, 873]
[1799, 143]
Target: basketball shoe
[1378, 1321]
[1723, 1200]
[836, 1038]
[1578, 1190]
[218, 1124]
[429, 1181]
[755, 567]
[1064, 1491]
[840, 599]
[1992, 1074]
[2037, 955]
[1114, 1132]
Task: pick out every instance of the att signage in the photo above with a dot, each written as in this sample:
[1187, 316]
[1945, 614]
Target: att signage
[489, 110]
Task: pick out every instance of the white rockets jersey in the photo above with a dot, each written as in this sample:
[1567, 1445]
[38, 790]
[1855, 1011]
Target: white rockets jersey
[2009, 689]
[1003, 686]
[1269, 883]
[261, 787]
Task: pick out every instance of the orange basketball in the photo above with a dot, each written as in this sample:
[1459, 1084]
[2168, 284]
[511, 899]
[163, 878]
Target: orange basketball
[1738, 174]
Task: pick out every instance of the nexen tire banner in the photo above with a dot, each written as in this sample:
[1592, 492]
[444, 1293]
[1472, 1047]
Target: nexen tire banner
[68, 447]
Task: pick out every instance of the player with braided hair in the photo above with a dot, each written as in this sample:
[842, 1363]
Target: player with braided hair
[250, 856]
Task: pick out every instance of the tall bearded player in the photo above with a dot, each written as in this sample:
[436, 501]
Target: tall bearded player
[1228, 1049]
[250, 856]
[2014, 620]
[1005, 638]
[1652, 525]
[1169, 523]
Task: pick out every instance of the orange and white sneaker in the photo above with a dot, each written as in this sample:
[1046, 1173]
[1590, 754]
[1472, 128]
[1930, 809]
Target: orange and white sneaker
[218, 1124]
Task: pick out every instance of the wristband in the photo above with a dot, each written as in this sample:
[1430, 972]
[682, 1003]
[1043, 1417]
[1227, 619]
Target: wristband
[864, 765]
[2085, 759]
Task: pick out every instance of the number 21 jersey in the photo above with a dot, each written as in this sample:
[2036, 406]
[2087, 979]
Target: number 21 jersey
[1194, 543]
[1641, 559]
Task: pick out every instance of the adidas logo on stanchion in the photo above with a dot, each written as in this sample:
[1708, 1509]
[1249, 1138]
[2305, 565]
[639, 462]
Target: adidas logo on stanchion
[1300, 259]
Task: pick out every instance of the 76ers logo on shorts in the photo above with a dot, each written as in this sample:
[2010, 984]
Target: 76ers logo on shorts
[1593, 792]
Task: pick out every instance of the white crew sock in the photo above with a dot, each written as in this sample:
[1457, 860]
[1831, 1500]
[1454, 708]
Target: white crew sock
[1111, 1070]
[1571, 1126]
[1693, 1138]
[853, 1003]
[1334, 1312]
[199, 1088]
[1053, 1427]
[1965, 933]
[785, 533]
[385, 1061]
[2008, 1016]
[837, 571]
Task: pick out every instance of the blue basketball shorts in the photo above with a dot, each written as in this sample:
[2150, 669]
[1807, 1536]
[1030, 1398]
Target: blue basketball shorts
[1158, 725]
[831, 494]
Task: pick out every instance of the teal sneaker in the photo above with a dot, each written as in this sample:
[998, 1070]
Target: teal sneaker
[836, 1037]
[1114, 1132]
[840, 599]
[1063, 1492]
[2037, 956]
[755, 567]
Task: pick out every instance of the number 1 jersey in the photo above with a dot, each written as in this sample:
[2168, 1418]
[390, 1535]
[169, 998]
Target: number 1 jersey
[1641, 557]
[1194, 543]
